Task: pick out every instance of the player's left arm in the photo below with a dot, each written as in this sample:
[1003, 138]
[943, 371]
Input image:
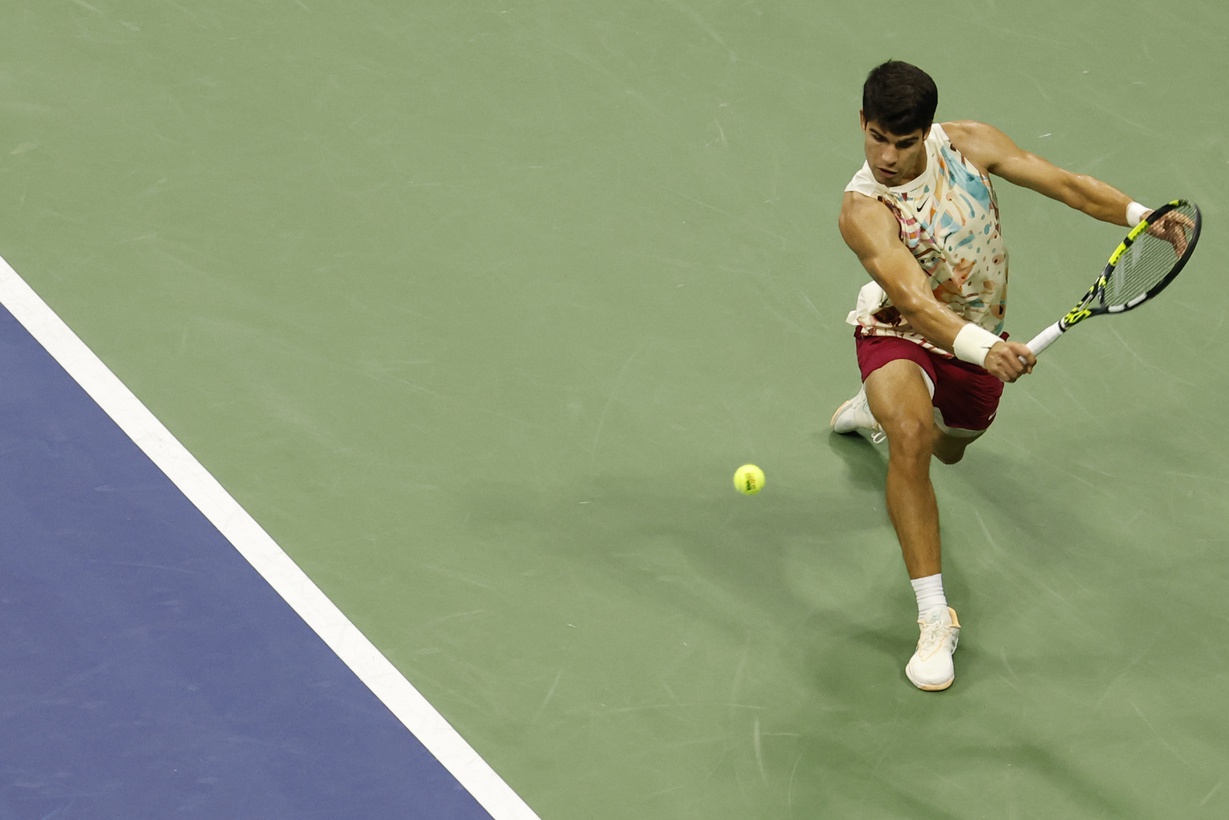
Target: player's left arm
[990, 149]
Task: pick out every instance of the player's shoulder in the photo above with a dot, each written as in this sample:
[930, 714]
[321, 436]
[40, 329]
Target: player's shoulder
[856, 205]
[856, 201]
[982, 143]
[864, 218]
[966, 131]
[973, 134]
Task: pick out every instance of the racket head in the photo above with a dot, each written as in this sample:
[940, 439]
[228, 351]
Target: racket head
[1153, 254]
[1143, 264]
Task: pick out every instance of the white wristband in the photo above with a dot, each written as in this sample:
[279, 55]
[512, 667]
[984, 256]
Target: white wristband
[972, 344]
[1136, 213]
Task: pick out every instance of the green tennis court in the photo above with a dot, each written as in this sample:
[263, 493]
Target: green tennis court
[476, 307]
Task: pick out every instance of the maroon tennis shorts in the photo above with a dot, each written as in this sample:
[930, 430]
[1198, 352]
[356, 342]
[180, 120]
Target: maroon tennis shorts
[966, 395]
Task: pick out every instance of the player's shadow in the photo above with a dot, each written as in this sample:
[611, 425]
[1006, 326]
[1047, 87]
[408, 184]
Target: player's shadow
[689, 541]
[988, 478]
[865, 463]
[687, 544]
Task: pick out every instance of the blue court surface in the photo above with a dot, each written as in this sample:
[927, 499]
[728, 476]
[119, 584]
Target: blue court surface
[148, 669]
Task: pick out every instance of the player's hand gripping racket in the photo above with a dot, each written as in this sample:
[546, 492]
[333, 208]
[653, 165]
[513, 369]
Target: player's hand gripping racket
[1151, 256]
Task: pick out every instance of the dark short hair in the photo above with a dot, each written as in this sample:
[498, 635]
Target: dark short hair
[900, 97]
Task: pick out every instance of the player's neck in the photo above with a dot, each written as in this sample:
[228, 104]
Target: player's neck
[906, 178]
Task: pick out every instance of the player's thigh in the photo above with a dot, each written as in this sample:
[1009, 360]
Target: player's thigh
[899, 398]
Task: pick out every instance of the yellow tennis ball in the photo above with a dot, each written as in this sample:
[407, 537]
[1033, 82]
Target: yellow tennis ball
[749, 479]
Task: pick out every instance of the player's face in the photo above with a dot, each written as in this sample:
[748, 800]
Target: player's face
[894, 158]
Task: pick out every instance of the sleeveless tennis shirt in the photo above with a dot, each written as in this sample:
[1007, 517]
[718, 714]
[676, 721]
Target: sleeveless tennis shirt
[949, 220]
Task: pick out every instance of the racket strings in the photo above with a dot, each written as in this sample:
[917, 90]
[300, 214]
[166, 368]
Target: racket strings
[1154, 255]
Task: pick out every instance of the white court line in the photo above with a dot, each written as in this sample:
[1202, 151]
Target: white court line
[261, 551]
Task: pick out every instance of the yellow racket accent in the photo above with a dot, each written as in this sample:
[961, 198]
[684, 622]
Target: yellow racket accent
[1082, 310]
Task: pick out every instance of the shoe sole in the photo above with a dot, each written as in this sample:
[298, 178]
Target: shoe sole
[932, 687]
[839, 410]
[874, 436]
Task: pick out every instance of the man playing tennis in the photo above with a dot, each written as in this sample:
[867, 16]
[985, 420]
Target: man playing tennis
[922, 217]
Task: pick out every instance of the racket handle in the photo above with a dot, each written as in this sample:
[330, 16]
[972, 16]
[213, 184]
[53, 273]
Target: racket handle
[1046, 338]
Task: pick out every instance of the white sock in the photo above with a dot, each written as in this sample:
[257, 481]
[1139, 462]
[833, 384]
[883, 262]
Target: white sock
[929, 592]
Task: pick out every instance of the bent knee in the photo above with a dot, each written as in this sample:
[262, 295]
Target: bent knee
[910, 437]
[948, 456]
[950, 449]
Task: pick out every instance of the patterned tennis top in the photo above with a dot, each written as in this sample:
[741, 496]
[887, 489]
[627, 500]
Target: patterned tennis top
[949, 220]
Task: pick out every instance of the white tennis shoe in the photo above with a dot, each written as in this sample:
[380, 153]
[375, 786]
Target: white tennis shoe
[854, 416]
[931, 666]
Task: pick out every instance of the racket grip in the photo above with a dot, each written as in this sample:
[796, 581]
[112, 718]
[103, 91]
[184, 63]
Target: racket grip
[1045, 338]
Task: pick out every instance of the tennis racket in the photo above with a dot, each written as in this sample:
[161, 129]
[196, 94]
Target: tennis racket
[1143, 264]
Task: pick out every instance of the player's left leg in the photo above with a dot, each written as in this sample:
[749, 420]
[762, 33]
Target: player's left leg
[966, 400]
[950, 448]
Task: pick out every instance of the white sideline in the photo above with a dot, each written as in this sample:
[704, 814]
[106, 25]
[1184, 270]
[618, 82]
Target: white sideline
[350, 645]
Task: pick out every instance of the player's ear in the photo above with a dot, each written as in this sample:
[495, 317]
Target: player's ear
[861, 120]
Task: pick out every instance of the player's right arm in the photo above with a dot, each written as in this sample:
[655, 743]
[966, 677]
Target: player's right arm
[873, 234]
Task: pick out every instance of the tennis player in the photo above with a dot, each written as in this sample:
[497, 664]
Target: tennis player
[922, 217]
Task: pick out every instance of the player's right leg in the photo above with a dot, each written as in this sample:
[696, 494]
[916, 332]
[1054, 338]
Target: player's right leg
[899, 396]
[900, 401]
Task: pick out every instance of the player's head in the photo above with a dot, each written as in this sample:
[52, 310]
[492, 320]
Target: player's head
[900, 97]
[898, 108]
